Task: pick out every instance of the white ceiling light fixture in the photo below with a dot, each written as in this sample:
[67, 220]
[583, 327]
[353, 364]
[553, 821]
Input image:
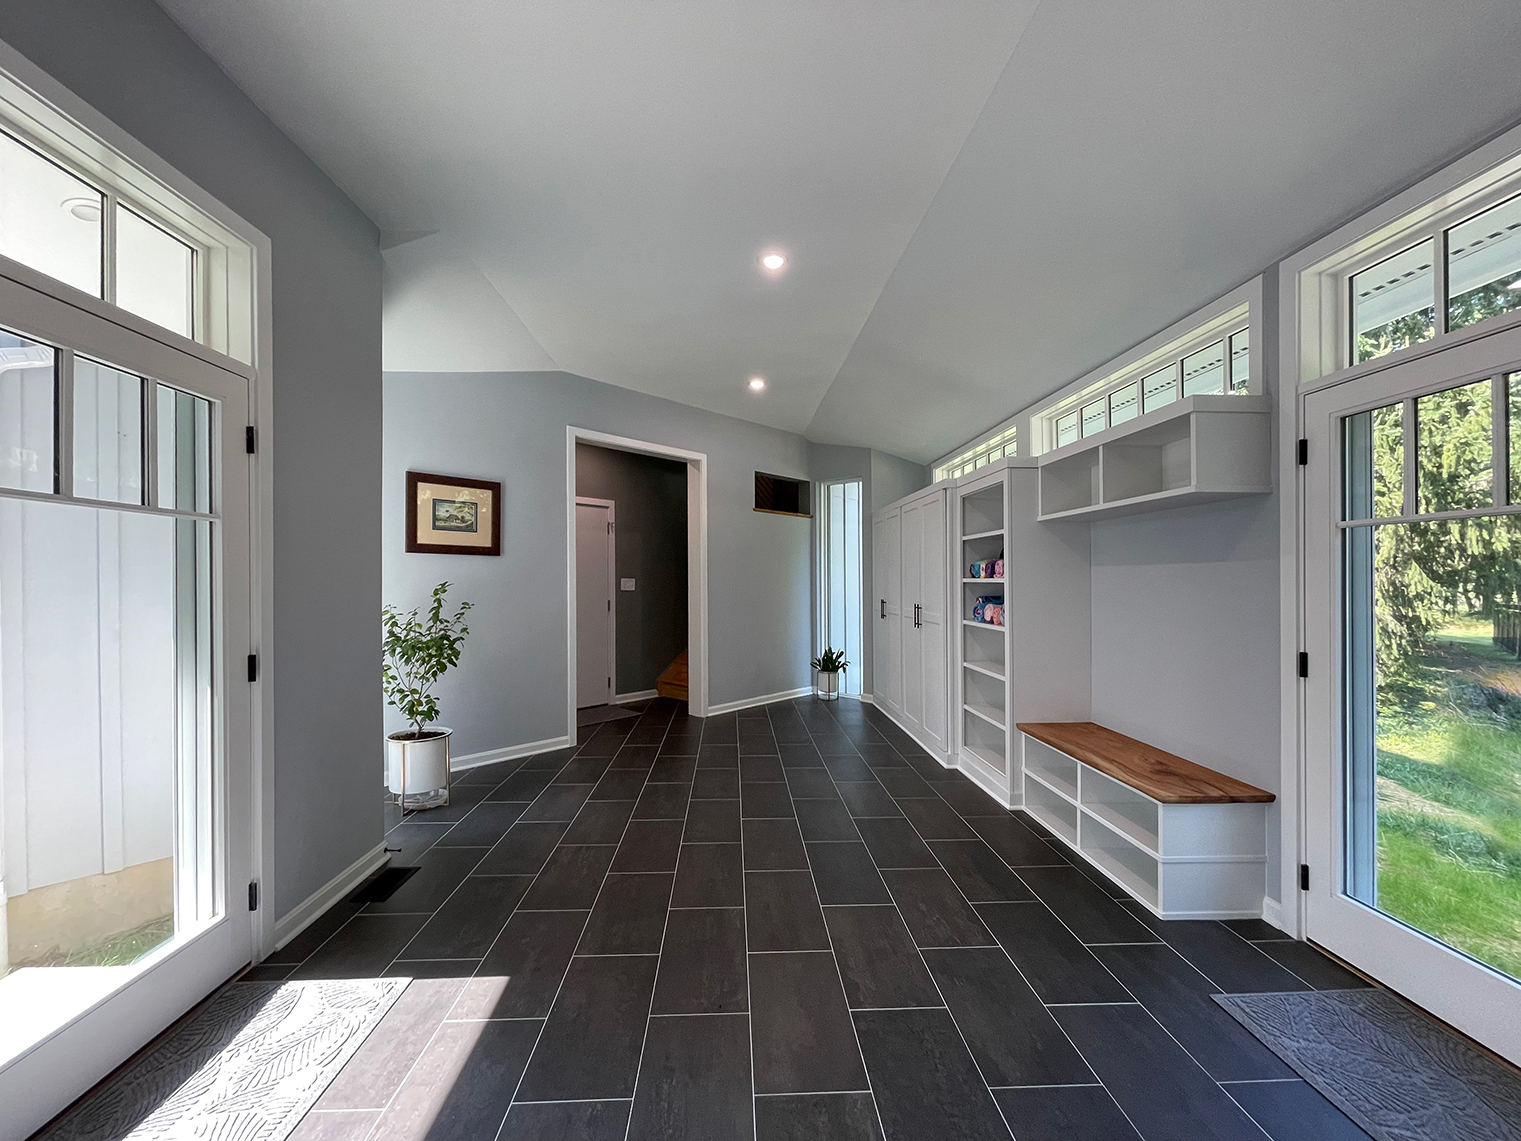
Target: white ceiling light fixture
[757, 384]
[773, 262]
[85, 209]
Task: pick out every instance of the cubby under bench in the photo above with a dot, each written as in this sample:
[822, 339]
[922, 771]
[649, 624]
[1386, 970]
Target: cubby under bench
[1188, 842]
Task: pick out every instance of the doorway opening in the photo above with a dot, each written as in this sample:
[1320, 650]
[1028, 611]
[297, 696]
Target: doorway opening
[840, 578]
[636, 585]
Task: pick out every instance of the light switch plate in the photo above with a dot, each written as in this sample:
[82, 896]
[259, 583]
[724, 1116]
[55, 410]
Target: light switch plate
[625, 584]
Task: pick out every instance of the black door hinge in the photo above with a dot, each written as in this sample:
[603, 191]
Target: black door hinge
[253, 667]
[1304, 452]
[249, 440]
[1304, 877]
[1304, 664]
[253, 895]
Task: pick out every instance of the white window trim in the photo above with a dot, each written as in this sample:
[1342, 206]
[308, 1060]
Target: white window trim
[237, 332]
[1238, 309]
[1313, 320]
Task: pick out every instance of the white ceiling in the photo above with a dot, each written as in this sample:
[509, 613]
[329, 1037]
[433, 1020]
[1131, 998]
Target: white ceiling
[981, 204]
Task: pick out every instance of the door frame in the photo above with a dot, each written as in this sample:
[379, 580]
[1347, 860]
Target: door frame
[1475, 998]
[697, 562]
[612, 589]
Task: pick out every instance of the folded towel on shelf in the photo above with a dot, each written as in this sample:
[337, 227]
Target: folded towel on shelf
[988, 609]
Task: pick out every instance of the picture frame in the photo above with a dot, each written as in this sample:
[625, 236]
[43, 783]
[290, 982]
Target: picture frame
[453, 515]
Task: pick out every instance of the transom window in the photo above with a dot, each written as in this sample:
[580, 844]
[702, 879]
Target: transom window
[995, 447]
[57, 222]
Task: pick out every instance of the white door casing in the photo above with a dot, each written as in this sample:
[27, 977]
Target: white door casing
[934, 557]
[596, 621]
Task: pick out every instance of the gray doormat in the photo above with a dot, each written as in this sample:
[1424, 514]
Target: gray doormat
[247, 1067]
[1393, 1071]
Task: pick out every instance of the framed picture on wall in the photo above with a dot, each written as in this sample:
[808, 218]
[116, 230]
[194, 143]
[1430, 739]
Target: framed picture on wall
[452, 515]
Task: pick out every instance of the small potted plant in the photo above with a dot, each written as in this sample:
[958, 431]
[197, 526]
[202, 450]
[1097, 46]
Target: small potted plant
[419, 651]
[830, 664]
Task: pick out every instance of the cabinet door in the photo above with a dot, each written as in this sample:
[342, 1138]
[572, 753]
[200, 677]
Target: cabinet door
[913, 657]
[934, 556]
[887, 637]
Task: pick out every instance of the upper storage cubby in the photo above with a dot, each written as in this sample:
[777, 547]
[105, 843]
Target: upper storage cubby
[982, 511]
[1198, 449]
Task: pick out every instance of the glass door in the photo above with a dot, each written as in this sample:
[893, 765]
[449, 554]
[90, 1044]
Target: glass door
[125, 765]
[1413, 614]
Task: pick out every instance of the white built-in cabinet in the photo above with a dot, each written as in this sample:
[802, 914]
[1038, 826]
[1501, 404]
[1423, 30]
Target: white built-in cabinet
[1035, 667]
[910, 642]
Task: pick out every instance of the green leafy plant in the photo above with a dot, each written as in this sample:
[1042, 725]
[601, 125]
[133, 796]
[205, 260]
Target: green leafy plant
[830, 661]
[418, 652]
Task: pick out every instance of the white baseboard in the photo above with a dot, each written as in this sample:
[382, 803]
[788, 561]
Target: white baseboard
[751, 702]
[866, 699]
[298, 918]
[987, 781]
[507, 753]
[642, 695]
[1272, 913]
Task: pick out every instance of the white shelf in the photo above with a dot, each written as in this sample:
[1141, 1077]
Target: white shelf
[987, 669]
[1113, 864]
[1123, 827]
[996, 533]
[1052, 811]
[999, 581]
[1054, 783]
[987, 713]
[987, 756]
[1196, 450]
[982, 625]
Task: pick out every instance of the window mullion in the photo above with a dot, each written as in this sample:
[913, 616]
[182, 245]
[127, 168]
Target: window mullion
[64, 446]
[108, 254]
[1439, 297]
[150, 443]
[1499, 406]
[1409, 434]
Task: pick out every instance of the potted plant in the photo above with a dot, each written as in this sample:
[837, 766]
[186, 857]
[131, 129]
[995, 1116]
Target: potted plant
[418, 652]
[830, 664]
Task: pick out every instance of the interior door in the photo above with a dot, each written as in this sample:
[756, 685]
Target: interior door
[933, 556]
[125, 699]
[887, 572]
[913, 587]
[1412, 570]
[594, 602]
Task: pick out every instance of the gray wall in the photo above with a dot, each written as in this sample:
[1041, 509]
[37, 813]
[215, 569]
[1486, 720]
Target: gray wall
[133, 65]
[510, 686]
[650, 495]
[892, 478]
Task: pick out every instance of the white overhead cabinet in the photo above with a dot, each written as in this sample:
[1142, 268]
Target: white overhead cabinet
[911, 646]
[1021, 641]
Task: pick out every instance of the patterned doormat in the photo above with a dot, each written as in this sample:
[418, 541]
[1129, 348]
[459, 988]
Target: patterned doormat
[247, 1067]
[1393, 1071]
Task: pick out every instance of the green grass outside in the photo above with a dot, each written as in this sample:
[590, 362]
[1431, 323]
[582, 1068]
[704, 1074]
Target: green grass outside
[1449, 814]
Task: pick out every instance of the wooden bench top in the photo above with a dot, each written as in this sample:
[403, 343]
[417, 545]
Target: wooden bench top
[1161, 776]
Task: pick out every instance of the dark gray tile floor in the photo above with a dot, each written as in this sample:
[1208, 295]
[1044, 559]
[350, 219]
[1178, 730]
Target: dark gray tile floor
[785, 923]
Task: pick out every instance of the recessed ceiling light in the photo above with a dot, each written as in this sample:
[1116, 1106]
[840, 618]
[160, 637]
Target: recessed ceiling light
[774, 261]
[85, 209]
[757, 384]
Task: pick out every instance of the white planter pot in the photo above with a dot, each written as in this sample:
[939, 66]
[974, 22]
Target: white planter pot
[828, 685]
[425, 761]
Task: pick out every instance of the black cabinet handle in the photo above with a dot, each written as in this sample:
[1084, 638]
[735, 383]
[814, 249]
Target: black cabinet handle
[916, 616]
[884, 608]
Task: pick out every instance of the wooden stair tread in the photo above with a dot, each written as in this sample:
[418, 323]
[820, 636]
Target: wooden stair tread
[1160, 775]
[673, 682]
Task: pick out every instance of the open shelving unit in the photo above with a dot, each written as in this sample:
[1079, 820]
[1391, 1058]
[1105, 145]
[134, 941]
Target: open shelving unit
[983, 647]
[1196, 450]
[1189, 844]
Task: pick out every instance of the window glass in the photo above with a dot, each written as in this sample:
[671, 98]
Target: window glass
[1392, 305]
[1093, 417]
[28, 414]
[184, 450]
[49, 219]
[1204, 371]
[1454, 449]
[155, 273]
[108, 433]
[1066, 429]
[1124, 403]
[1513, 382]
[1375, 463]
[1159, 389]
[1484, 265]
[1241, 362]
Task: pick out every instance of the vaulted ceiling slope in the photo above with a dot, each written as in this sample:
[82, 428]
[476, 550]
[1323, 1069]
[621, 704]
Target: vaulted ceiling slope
[982, 200]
